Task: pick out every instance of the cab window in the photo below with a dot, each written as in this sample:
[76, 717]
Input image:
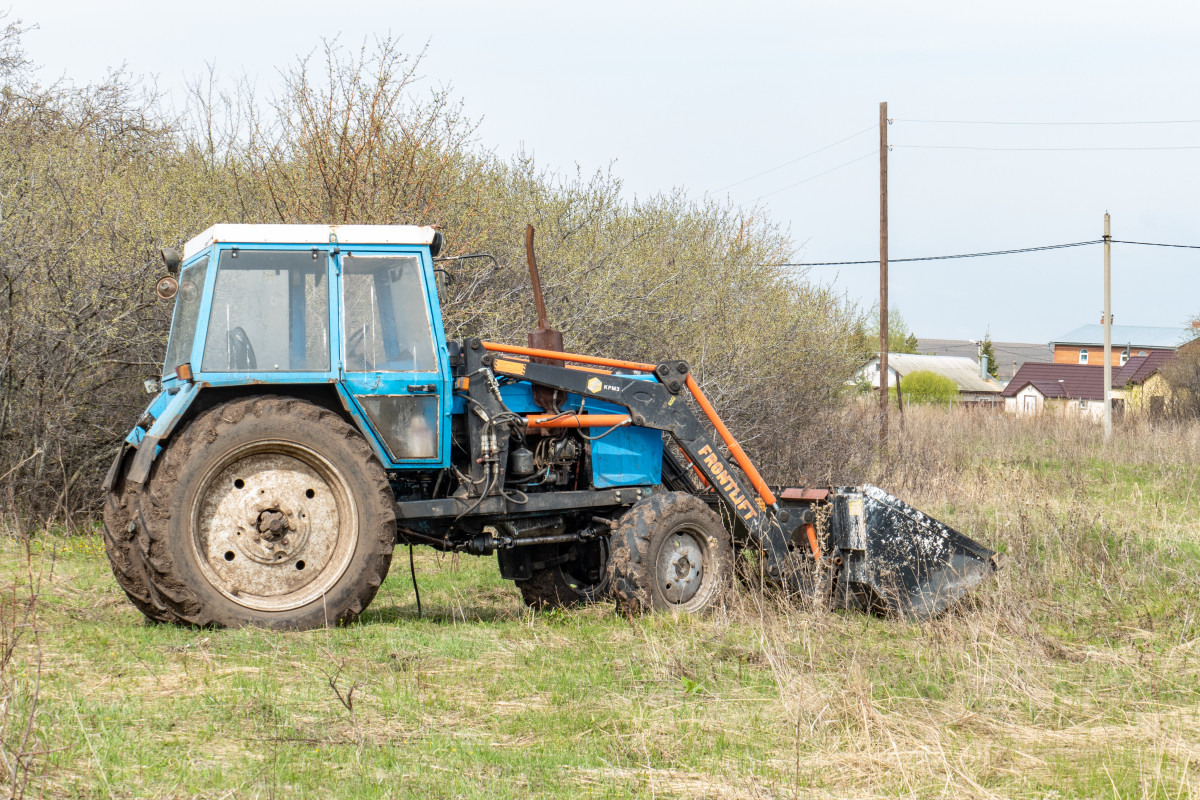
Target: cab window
[270, 312]
[386, 317]
[187, 314]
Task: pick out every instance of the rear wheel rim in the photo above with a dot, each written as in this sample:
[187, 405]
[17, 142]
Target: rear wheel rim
[274, 526]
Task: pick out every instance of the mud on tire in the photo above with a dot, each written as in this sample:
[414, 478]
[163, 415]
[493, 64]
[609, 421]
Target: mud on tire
[670, 552]
[125, 543]
[267, 511]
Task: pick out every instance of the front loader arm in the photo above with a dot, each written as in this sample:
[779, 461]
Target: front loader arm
[659, 405]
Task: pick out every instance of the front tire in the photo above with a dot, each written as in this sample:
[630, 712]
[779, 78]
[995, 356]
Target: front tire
[670, 552]
[268, 511]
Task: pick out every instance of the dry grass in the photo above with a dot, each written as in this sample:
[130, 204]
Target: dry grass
[1076, 673]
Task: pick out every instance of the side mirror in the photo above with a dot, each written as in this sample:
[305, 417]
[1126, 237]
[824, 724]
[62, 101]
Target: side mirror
[435, 246]
[172, 258]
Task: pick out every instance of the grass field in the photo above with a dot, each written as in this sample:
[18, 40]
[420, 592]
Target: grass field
[1076, 673]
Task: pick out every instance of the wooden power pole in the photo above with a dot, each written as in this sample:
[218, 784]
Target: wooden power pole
[883, 281]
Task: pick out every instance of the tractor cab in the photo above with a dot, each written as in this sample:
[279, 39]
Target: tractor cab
[352, 306]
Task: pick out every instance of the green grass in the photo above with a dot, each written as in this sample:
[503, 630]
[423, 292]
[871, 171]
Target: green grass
[1076, 673]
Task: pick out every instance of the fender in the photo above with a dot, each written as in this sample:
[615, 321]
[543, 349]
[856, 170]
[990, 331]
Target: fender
[147, 445]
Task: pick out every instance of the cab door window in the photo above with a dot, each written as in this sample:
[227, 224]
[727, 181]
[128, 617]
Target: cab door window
[387, 326]
[390, 363]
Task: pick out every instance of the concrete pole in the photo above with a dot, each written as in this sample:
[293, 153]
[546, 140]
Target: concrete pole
[883, 282]
[1107, 328]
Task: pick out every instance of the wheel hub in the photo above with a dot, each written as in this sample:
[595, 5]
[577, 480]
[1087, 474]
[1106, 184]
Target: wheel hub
[273, 523]
[681, 567]
[273, 532]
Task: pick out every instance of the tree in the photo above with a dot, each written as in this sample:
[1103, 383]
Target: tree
[925, 386]
[1182, 374]
[990, 352]
[900, 338]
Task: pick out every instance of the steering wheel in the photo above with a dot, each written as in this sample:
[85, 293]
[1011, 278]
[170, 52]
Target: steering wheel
[356, 355]
[241, 352]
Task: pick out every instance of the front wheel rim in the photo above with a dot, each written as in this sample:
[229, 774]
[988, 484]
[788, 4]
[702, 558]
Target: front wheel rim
[679, 569]
[274, 526]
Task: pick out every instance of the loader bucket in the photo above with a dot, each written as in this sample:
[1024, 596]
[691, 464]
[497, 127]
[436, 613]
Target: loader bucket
[899, 561]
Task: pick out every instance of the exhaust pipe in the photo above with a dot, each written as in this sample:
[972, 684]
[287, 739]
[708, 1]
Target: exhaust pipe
[545, 337]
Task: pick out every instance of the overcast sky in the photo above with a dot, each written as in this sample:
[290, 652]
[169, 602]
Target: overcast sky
[705, 95]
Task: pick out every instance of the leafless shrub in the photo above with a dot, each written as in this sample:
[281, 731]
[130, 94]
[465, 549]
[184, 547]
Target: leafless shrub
[22, 740]
[97, 178]
[1183, 376]
[93, 182]
[355, 142]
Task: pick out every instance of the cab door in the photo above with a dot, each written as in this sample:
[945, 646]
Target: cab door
[394, 364]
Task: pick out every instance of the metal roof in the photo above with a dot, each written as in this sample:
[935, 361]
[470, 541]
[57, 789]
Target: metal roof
[1009, 355]
[963, 371]
[1075, 381]
[1139, 368]
[1085, 381]
[1129, 336]
[309, 234]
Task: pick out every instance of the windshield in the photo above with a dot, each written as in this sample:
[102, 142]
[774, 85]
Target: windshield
[270, 312]
[187, 314]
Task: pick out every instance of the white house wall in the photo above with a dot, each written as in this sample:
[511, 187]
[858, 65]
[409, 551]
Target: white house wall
[1027, 402]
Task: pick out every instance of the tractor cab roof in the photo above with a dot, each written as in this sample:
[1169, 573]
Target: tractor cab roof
[310, 234]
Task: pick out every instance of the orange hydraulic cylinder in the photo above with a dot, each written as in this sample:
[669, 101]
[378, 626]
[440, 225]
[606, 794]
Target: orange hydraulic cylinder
[811, 530]
[535, 421]
[535, 353]
[735, 449]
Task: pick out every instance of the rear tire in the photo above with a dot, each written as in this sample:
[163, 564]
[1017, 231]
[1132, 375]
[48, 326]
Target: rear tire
[125, 543]
[670, 552]
[581, 580]
[268, 511]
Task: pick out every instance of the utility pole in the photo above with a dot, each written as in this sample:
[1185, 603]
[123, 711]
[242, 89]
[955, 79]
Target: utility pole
[883, 281]
[1107, 328]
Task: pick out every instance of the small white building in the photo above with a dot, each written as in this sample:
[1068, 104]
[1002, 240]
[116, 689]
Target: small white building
[1070, 389]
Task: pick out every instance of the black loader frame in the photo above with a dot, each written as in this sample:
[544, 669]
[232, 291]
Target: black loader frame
[876, 553]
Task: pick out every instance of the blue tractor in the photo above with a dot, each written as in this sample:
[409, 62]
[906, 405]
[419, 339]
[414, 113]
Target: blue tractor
[311, 415]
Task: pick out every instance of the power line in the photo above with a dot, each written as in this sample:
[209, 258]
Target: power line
[1159, 244]
[989, 253]
[944, 258]
[818, 175]
[997, 122]
[1036, 149]
[794, 160]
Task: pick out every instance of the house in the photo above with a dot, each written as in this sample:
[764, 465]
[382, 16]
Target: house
[1138, 387]
[1009, 355]
[1076, 389]
[963, 371]
[1085, 345]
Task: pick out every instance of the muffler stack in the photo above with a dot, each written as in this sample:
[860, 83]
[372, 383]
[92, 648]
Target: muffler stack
[896, 560]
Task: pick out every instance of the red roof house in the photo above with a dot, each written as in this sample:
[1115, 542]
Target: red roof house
[1078, 388]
